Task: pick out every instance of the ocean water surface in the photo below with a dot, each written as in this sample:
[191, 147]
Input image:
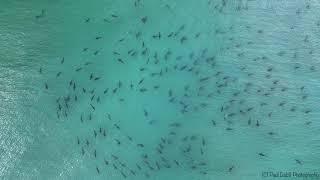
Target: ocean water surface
[159, 89]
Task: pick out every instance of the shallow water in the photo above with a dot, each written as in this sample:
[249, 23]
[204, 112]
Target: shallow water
[227, 90]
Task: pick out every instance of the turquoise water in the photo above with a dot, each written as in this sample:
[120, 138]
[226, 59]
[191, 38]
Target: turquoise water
[160, 89]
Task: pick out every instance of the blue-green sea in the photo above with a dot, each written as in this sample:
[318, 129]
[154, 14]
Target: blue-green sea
[159, 89]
